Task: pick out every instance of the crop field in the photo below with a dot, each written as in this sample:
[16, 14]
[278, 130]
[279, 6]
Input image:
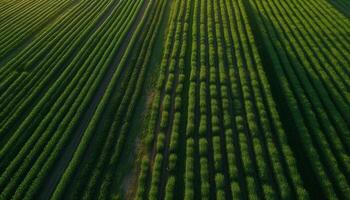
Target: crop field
[174, 99]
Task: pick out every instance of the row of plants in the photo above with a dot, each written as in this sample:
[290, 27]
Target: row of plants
[235, 144]
[38, 134]
[163, 179]
[5, 148]
[22, 21]
[302, 91]
[51, 134]
[21, 135]
[25, 91]
[337, 132]
[158, 130]
[102, 165]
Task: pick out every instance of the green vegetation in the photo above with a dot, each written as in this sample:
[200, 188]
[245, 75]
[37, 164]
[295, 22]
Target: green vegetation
[183, 99]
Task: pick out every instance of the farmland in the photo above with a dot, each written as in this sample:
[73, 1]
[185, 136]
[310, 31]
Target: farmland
[182, 99]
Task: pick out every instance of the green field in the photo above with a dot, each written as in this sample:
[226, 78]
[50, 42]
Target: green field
[174, 99]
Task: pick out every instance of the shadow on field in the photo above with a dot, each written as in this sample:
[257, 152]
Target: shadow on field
[342, 6]
[303, 164]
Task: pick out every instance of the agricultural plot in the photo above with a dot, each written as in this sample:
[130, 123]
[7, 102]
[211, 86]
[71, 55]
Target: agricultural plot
[183, 99]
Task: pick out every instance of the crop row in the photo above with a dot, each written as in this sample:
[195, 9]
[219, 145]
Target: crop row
[51, 120]
[313, 81]
[98, 174]
[166, 80]
[43, 75]
[25, 19]
[48, 62]
[235, 145]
